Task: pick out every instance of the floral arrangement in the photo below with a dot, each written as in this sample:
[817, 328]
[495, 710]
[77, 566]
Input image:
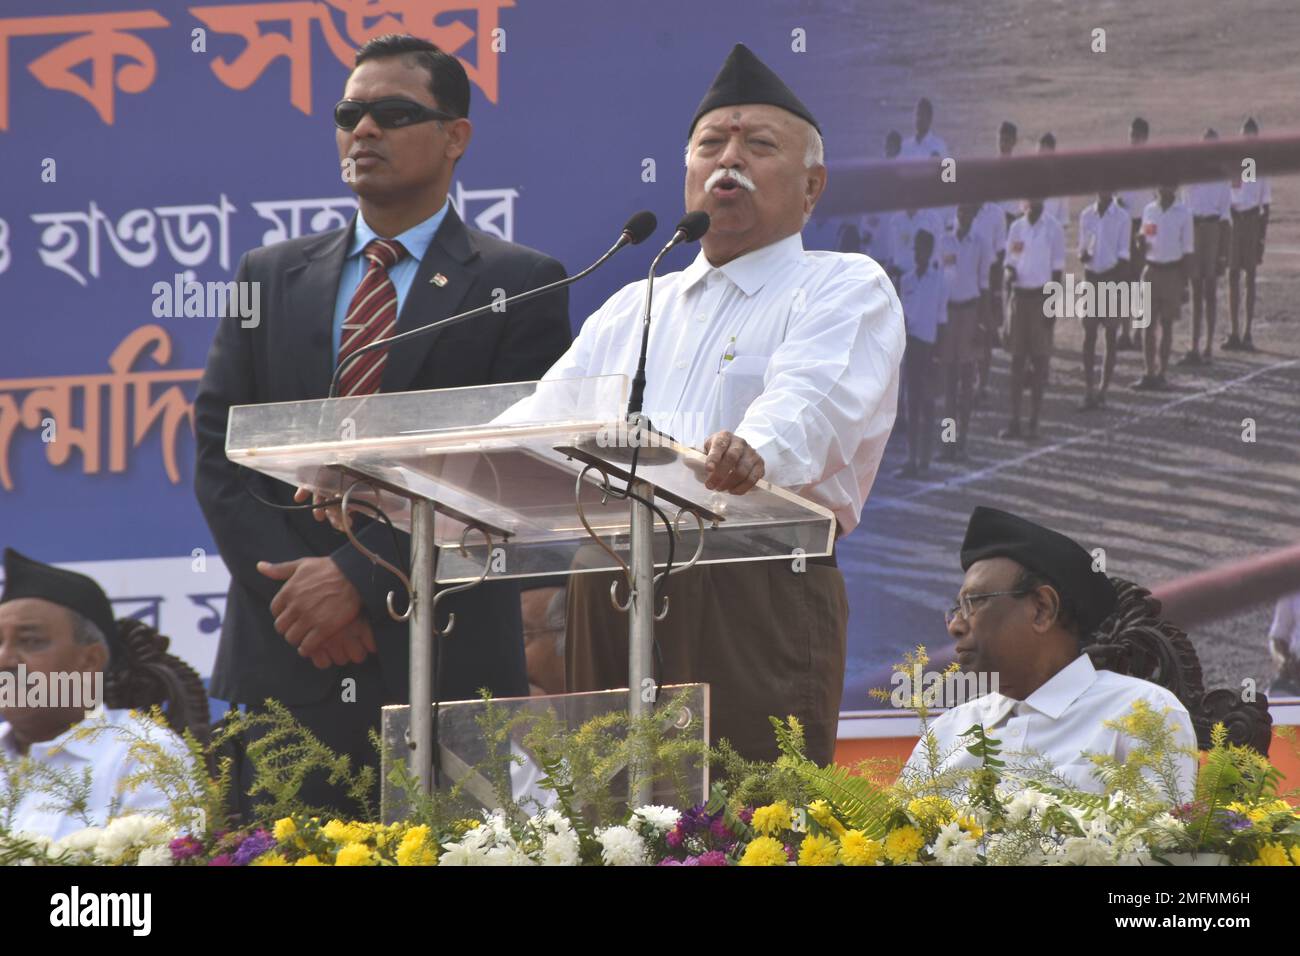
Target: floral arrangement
[784, 812]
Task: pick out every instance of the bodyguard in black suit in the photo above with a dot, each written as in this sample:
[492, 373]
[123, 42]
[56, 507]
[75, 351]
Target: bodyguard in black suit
[306, 611]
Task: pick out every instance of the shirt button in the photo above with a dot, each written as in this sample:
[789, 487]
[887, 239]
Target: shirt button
[701, 317]
[681, 363]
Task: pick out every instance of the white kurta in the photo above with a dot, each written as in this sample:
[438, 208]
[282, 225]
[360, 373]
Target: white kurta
[795, 351]
[109, 760]
[1060, 721]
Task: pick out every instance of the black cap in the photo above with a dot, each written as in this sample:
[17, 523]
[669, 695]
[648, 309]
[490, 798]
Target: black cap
[999, 534]
[25, 578]
[744, 78]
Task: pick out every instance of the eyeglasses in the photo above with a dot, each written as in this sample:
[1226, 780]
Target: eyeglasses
[391, 112]
[966, 604]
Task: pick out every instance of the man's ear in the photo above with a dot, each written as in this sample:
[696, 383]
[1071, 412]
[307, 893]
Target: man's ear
[94, 657]
[1047, 607]
[814, 186]
[459, 133]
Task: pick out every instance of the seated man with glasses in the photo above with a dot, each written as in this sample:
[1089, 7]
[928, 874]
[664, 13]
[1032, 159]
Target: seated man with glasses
[1030, 602]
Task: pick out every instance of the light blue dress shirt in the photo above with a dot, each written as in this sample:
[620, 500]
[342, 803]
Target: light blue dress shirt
[416, 242]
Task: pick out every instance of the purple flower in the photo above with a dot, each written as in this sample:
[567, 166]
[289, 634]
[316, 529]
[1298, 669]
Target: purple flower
[253, 846]
[694, 820]
[1235, 821]
[224, 860]
[675, 836]
[789, 853]
[746, 815]
[186, 847]
[719, 829]
[713, 858]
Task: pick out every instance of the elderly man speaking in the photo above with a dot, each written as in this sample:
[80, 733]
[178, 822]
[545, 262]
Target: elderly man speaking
[779, 363]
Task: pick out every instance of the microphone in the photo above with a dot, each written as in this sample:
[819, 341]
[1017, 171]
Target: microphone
[692, 226]
[637, 229]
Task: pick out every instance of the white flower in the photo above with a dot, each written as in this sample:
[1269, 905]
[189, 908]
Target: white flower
[156, 856]
[130, 832]
[560, 849]
[955, 847]
[621, 846]
[1029, 803]
[506, 854]
[78, 842]
[662, 819]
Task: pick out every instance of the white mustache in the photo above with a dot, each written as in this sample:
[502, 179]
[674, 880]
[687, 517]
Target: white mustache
[720, 174]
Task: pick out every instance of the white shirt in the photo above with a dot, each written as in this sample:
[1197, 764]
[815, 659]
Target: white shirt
[1136, 200]
[875, 231]
[1105, 237]
[1250, 195]
[1286, 622]
[108, 758]
[1060, 721]
[1058, 207]
[992, 221]
[902, 235]
[816, 339]
[1209, 199]
[1168, 232]
[931, 144]
[1035, 250]
[925, 303]
[965, 264]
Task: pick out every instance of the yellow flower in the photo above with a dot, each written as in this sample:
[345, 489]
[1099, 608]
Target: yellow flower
[415, 849]
[971, 826]
[354, 854]
[931, 811]
[820, 811]
[310, 860]
[1295, 855]
[772, 818]
[764, 851]
[817, 851]
[284, 828]
[857, 849]
[902, 845]
[271, 859]
[337, 831]
[1272, 854]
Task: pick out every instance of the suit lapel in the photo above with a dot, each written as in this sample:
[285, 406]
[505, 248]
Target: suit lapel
[311, 289]
[450, 255]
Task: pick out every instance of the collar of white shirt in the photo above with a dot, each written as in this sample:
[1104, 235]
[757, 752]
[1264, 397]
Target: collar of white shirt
[749, 272]
[1052, 699]
[66, 741]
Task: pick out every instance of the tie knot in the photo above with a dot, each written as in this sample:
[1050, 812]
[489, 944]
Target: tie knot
[384, 252]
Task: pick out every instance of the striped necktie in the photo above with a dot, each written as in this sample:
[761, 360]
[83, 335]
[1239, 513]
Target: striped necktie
[372, 314]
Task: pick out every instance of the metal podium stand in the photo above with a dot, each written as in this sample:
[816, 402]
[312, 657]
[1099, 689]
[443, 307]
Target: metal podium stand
[515, 481]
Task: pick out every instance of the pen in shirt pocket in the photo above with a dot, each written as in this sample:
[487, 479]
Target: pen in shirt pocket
[728, 354]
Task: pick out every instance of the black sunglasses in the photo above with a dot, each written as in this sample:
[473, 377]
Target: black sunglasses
[391, 112]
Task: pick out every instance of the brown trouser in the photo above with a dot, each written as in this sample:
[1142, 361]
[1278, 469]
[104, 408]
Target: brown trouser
[769, 640]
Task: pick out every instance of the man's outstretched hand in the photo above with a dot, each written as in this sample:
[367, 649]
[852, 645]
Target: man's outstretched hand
[731, 464]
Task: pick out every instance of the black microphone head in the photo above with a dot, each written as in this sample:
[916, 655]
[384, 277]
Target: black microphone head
[641, 226]
[693, 225]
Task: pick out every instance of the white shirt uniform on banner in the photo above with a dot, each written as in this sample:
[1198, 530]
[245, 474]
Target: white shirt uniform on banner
[903, 228]
[1035, 250]
[925, 303]
[1105, 237]
[1058, 207]
[1136, 200]
[1168, 233]
[1286, 623]
[1252, 195]
[1208, 199]
[108, 758]
[1062, 722]
[797, 352]
[993, 223]
[965, 264]
[931, 145]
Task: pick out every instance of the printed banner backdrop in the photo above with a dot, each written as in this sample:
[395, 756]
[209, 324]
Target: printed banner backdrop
[145, 140]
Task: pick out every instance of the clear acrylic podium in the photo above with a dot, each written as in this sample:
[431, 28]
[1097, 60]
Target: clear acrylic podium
[521, 480]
